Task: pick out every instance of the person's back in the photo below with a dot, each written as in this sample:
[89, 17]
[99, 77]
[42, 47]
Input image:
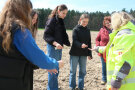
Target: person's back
[18, 49]
[120, 53]
[13, 75]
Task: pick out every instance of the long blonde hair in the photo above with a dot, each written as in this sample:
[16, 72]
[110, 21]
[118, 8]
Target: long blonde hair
[17, 11]
[119, 19]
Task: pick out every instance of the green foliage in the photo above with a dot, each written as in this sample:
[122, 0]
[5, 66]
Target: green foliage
[71, 20]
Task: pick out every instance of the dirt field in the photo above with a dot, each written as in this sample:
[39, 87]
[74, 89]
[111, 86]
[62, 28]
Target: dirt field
[93, 76]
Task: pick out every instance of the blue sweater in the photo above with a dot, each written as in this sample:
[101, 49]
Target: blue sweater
[26, 44]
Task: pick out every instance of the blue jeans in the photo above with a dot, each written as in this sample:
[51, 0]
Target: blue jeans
[53, 78]
[103, 69]
[74, 60]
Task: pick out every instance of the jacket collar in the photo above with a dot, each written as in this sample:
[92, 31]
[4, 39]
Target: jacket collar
[59, 20]
[129, 25]
[133, 22]
[79, 26]
[109, 30]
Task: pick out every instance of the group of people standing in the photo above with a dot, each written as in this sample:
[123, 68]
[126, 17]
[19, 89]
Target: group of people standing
[55, 35]
[20, 55]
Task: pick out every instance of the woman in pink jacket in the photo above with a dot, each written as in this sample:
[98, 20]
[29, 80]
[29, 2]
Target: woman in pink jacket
[102, 40]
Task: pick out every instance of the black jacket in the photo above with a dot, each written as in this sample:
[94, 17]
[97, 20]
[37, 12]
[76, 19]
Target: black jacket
[16, 72]
[55, 31]
[81, 35]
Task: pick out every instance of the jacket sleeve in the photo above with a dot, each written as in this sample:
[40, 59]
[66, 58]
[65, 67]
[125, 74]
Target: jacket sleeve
[98, 38]
[89, 46]
[75, 39]
[66, 39]
[100, 49]
[124, 51]
[49, 31]
[25, 43]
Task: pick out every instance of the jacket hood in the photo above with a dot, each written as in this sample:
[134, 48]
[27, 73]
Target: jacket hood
[130, 25]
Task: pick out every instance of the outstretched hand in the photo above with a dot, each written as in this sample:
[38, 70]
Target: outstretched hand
[61, 65]
[84, 45]
[52, 71]
[89, 58]
[93, 49]
[58, 46]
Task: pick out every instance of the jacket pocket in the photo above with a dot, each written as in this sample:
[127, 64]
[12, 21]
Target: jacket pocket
[11, 68]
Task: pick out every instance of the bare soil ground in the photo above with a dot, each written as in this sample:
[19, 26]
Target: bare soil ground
[93, 76]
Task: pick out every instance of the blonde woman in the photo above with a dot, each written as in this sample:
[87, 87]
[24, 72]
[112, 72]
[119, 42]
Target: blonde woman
[79, 52]
[120, 53]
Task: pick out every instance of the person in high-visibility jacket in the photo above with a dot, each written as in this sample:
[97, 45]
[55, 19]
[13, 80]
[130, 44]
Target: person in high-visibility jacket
[120, 53]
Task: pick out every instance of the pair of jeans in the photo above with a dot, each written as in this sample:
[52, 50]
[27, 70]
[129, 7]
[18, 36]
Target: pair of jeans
[53, 78]
[103, 69]
[74, 61]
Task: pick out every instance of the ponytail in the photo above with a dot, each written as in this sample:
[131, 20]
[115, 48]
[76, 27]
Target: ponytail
[61, 7]
[54, 12]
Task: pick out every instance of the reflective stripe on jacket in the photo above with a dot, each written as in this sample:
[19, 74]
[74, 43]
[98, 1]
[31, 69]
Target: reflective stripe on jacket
[120, 54]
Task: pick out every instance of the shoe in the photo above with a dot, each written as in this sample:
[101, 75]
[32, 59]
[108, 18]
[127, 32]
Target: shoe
[103, 82]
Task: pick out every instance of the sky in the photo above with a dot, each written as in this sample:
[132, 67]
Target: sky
[84, 5]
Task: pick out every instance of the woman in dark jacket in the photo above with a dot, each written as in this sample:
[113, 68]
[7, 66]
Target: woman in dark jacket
[55, 35]
[102, 40]
[18, 49]
[79, 52]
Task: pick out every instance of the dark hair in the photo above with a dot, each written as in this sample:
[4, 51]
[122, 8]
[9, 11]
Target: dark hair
[35, 26]
[106, 18]
[55, 11]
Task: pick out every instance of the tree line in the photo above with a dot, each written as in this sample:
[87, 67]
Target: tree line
[71, 20]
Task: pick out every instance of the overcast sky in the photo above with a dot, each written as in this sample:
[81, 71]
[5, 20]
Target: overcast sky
[84, 5]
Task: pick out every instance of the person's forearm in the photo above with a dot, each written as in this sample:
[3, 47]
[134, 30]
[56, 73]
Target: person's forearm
[32, 52]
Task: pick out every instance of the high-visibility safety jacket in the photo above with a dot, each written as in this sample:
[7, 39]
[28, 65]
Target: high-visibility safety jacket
[120, 55]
